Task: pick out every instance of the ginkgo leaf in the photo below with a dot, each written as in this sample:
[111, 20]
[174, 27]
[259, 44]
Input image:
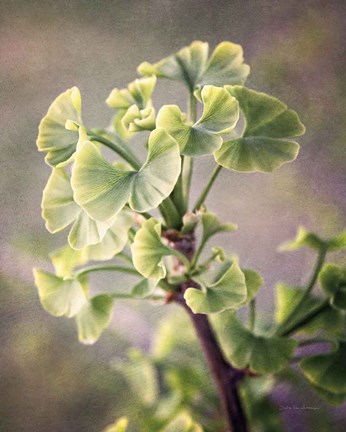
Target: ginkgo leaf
[244, 348]
[220, 115]
[148, 250]
[253, 281]
[65, 260]
[183, 422]
[227, 291]
[313, 241]
[136, 120]
[137, 93]
[59, 296]
[191, 66]
[114, 240]
[143, 288]
[141, 375]
[212, 225]
[102, 190]
[119, 426]
[94, 317]
[264, 145]
[333, 282]
[60, 210]
[53, 137]
[330, 320]
[327, 371]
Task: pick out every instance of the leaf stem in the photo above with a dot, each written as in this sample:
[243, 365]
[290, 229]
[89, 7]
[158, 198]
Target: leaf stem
[170, 214]
[125, 296]
[207, 188]
[125, 154]
[317, 269]
[252, 314]
[108, 267]
[198, 253]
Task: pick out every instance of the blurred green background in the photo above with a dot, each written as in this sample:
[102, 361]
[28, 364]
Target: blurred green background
[296, 50]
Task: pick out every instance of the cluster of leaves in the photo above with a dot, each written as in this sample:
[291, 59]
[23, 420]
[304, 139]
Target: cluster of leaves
[109, 205]
[170, 390]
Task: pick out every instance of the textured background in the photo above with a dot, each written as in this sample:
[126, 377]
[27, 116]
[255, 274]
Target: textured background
[296, 50]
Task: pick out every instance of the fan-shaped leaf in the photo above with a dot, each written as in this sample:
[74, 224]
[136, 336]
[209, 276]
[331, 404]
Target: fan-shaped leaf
[141, 376]
[330, 320]
[227, 291]
[102, 190]
[119, 426]
[212, 225]
[264, 145]
[220, 115]
[246, 349]
[137, 93]
[57, 136]
[59, 296]
[313, 241]
[59, 210]
[327, 371]
[65, 260]
[191, 66]
[182, 423]
[148, 250]
[333, 282]
[94, 317]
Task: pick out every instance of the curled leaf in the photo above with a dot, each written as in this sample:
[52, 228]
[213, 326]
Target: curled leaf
[148, 250]
[264, 145]
[58, 133]
[137, 93]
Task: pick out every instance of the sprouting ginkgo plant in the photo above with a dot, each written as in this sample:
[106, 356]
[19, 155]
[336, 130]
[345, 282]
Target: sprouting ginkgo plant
[133, 216]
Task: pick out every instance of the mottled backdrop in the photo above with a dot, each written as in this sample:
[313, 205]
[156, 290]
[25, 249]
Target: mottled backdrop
[296, 50]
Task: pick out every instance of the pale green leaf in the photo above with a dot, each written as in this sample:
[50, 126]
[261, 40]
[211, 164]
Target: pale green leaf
[137, 93]
[183, 422]
[59, 296]
[303, 238]
[136, 120]
[59, 210]
[330, 320]
[148, 250]
[191, 66]
[102, 190]
[86, 231]
[220, 115]
[227, 292]
[119, 426]
[264, 145]
[53, 137]
[253, 283]
[141, 376]
[114, 240]
[94, 317]
[65, 260]
[212, 225]
[143, 288]
[327, 371]
[333, 282]
[58, 207]
[331, 398]
[244, 348]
